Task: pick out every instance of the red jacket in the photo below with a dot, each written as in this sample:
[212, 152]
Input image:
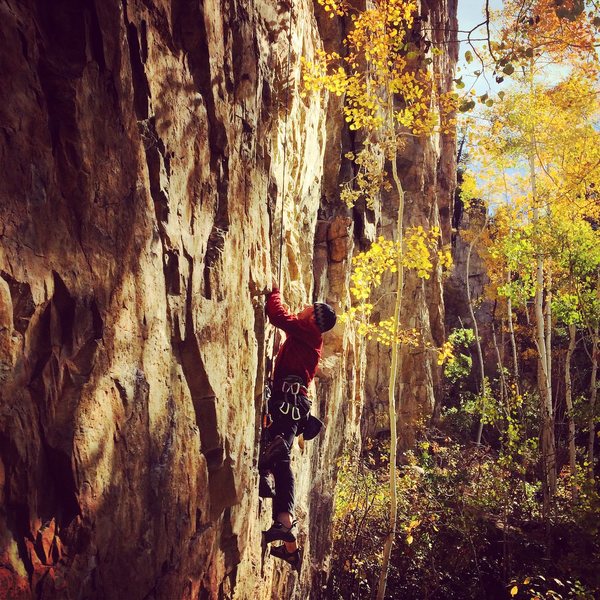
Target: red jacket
[300, 353]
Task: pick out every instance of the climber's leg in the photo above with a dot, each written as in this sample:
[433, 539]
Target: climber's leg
[284, 526]
[277, 455]
[265, 487]
[284, 501]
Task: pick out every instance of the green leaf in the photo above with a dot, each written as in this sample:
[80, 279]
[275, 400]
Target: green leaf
[468, 56]
[459, 83]
[467, 105]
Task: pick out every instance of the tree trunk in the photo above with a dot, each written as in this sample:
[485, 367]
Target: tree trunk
[509, 314]
[593, 392]
[503, 388]
[513, 342]
[548, 313]
[482, 386]
[569, 403]
[544, 380]
[395, 366]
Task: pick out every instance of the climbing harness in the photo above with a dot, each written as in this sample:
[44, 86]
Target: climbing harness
[294, 393]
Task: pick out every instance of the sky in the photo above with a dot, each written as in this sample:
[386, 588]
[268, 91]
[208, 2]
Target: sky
[470, 14]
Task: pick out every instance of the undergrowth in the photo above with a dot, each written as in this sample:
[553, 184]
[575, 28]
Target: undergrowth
[469, 526]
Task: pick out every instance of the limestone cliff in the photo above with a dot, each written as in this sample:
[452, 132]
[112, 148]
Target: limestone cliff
[147, 147]
[468, 224]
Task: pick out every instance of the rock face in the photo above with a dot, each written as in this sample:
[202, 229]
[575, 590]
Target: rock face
[468, 226]
[150, 152]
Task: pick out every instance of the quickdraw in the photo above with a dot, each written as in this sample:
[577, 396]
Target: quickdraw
[284, 408]
[267, 420]
[292, 388]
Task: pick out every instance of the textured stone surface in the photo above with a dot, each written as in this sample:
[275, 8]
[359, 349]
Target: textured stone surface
[469, 224]
[143, 168]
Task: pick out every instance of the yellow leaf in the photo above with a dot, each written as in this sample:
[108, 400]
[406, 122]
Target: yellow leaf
[514, 591]
[409, 540]
[526, 581]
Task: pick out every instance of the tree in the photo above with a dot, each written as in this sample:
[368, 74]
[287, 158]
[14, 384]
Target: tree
[540, 32]
[576, 257]
[548, 137]
[388, 94]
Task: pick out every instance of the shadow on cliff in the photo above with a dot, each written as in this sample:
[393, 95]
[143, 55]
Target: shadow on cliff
[83, 216]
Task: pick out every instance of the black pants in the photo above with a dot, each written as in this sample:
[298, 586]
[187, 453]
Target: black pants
[289, 414]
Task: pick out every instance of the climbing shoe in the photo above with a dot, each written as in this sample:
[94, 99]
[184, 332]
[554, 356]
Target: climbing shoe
[278, 532]
[265, 487]
[292, 558]
[275, 452]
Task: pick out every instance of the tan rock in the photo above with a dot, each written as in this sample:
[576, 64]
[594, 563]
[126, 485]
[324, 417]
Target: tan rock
[151, 151]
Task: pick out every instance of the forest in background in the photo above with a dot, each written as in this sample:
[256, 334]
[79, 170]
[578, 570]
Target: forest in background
[500, 497]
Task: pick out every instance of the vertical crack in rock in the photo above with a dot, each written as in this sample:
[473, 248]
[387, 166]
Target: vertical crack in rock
[220, 466]
[262, 367]
[63, 344]
[157, 160]
[141, 88]
[190, 32]
[229, 547]
[15, 514]
[60, 500]
[214, 249]
[95, 34]
[172, 274]
[63, 30]
[40, 345]
[63, 314]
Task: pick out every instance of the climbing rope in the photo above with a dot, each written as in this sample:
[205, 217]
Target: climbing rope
[285, 136]
[266, 389]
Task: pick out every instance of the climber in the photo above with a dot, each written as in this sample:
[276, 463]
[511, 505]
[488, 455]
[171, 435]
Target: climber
[295, 367]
